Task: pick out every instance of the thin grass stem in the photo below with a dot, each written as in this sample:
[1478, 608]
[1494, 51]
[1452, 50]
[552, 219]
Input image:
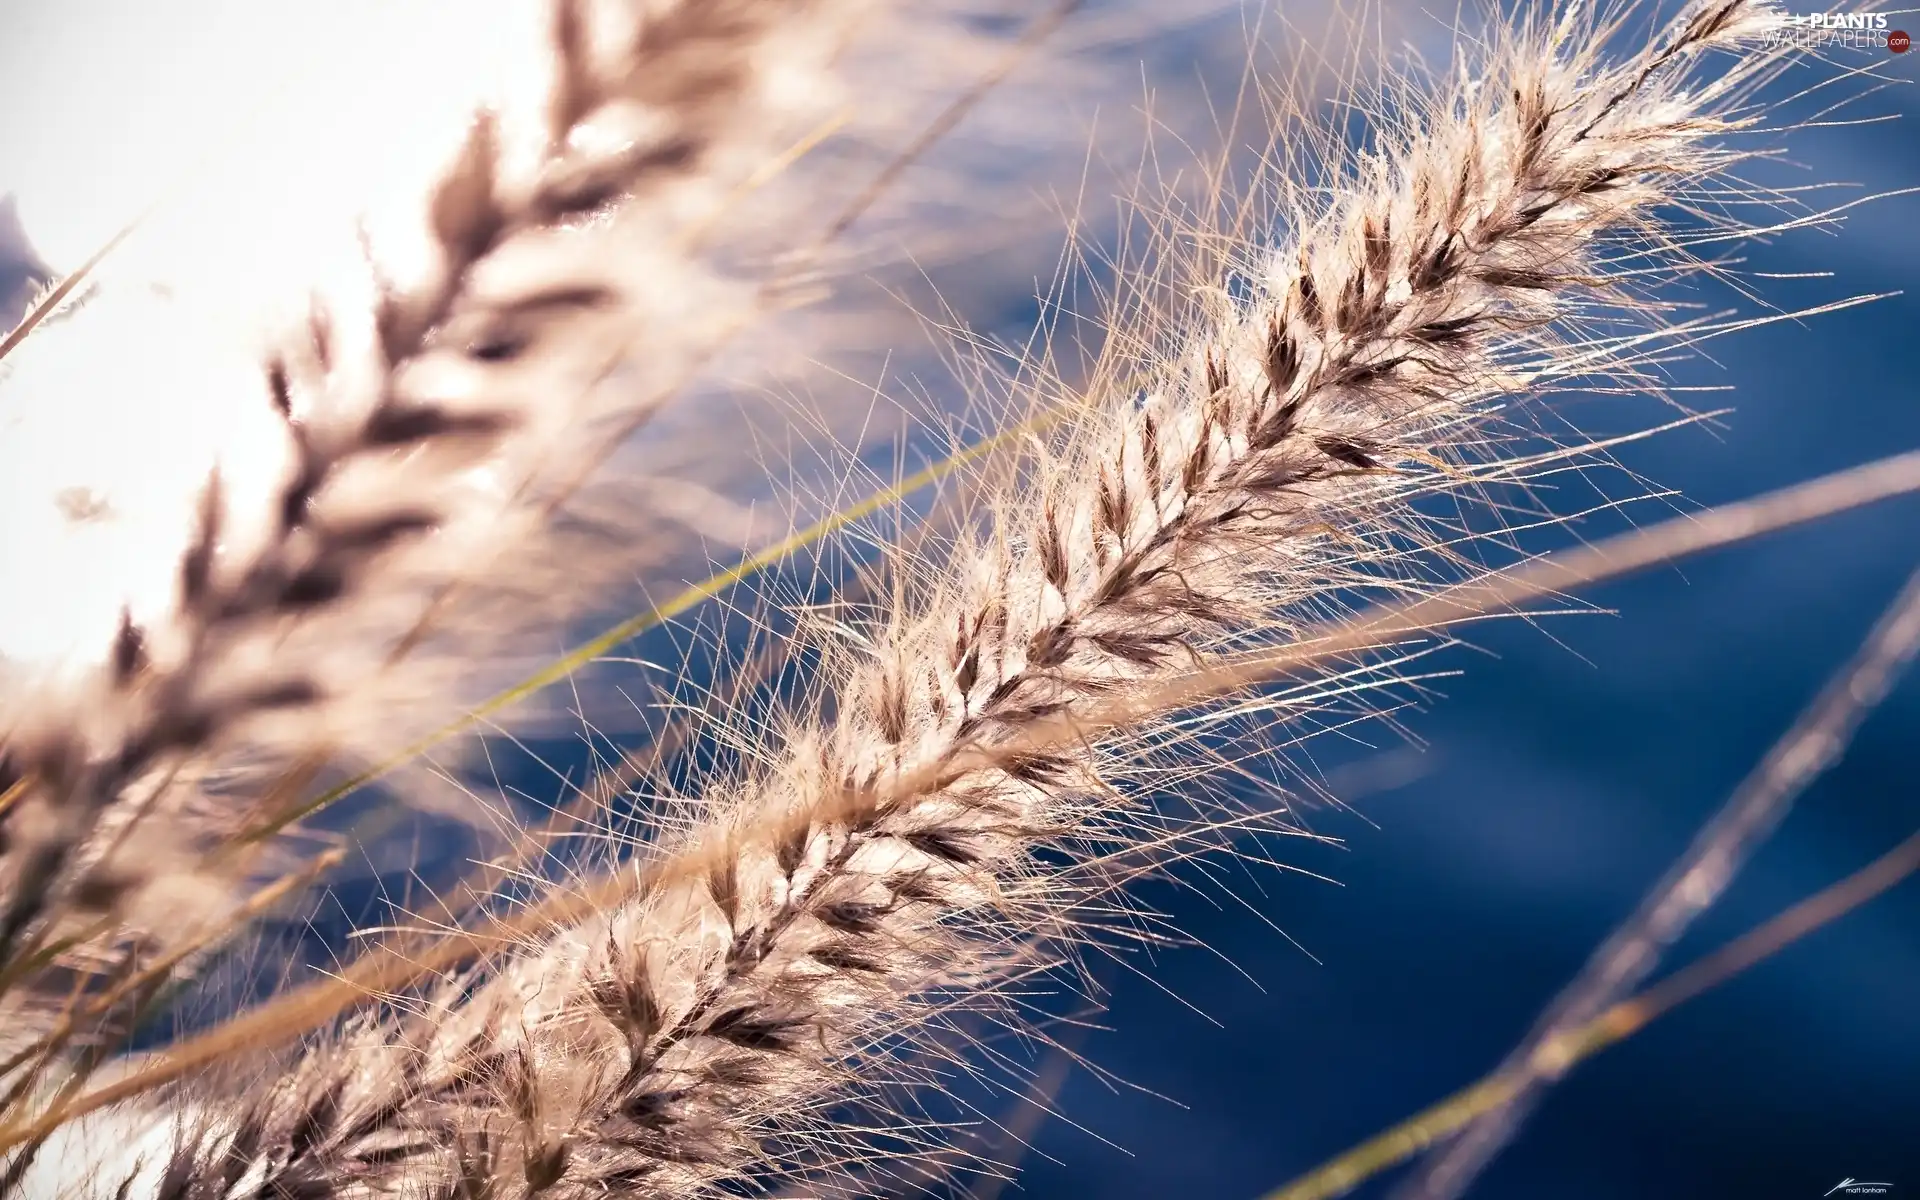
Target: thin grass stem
[1815, 742]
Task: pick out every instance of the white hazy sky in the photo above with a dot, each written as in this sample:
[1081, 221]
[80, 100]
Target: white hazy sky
[243, 118]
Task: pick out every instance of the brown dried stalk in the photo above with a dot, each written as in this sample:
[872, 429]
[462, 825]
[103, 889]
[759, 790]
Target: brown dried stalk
[1816, 741]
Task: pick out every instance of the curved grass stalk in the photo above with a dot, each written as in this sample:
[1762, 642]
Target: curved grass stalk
[1816, 741]
[1445, 1120]
[59, 293]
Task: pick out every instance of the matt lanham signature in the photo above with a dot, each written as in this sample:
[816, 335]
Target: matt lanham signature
[1859, 1187]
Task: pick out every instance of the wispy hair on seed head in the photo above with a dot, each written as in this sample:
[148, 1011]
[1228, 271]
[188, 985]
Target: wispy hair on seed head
[358, 514]
[1285, 425]
[348, 525]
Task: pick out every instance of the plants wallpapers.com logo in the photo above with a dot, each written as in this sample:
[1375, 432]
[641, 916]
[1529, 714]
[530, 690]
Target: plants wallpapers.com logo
[1835, 30]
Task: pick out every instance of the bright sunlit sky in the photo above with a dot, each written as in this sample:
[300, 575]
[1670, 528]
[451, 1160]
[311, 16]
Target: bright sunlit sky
[253, 135]
[263, 113]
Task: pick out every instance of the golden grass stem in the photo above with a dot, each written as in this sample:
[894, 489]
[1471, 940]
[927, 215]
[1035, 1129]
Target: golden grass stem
[157, 971]
[1817, 740]
[59, 293]
[1342, 1174]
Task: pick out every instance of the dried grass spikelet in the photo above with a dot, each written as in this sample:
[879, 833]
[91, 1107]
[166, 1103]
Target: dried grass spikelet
[821, 921]
[386, 496]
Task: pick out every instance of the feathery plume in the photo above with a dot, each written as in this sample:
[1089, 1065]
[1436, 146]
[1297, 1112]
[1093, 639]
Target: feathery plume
[407, 448]
[820, 920]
